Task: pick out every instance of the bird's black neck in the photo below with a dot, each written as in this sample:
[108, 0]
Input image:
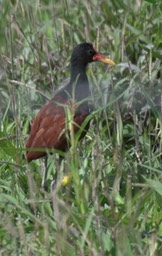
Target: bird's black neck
[78, 86]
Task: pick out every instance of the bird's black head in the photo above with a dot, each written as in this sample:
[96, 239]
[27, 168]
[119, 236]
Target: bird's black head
[82, 54]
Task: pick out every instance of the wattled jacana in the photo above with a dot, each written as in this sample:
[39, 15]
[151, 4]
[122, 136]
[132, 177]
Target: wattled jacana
[48, 130]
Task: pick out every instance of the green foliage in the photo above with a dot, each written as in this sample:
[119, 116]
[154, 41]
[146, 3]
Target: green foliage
[112, 206]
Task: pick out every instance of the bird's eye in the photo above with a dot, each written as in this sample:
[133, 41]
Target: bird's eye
[90, 52]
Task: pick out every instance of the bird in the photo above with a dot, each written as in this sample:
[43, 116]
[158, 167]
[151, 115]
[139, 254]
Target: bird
[49, 129]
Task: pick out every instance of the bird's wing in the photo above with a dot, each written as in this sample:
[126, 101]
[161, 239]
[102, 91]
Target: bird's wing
[47, 130]
[79, 118]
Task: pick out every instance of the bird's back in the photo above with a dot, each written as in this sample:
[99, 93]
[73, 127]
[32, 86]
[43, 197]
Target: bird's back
[50, 127]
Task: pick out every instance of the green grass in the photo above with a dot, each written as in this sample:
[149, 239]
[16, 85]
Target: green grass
[112, 206]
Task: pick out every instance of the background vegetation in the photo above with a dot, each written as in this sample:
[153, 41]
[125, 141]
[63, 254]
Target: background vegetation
[113, 205]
